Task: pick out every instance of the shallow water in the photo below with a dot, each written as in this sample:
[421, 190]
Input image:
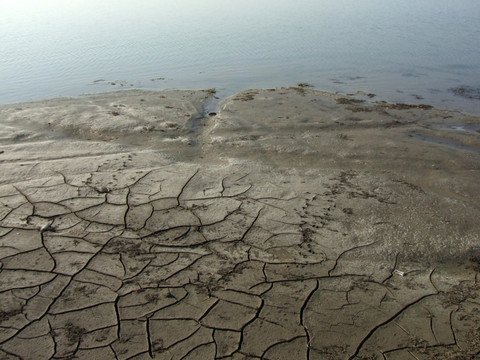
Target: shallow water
[411, 51]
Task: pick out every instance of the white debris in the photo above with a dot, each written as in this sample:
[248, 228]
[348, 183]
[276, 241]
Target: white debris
[46, 227]
[398, 272]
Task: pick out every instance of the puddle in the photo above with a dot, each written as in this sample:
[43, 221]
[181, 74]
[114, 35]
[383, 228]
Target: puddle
[473, 128]
[449, 143]
[468, 128]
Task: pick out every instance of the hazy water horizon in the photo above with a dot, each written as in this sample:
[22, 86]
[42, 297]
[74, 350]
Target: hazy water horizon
[403, 51]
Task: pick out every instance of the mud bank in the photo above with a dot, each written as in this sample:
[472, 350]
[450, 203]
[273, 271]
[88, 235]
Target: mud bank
[290, 223]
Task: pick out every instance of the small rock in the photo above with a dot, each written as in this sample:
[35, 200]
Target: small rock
[103, 190]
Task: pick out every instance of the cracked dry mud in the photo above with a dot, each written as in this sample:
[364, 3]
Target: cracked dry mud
[133, 228]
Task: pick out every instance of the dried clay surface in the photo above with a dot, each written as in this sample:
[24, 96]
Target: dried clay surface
[290, 224]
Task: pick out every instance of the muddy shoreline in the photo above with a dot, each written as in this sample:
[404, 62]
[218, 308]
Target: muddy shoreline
[289, 223]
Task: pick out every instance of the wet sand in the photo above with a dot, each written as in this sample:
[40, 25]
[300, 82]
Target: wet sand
[290, 223]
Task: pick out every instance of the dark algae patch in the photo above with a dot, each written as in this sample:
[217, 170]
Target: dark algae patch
[400, 106]
[245, 96]
[5, 315]
[349, 101]
[358, 105]
[467, 92]
[304, 85]
[73, 333]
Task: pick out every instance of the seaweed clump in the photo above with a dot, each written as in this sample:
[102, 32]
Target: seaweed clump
[467, 92]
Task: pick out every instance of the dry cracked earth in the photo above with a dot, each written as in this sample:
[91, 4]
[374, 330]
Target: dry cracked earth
[111, 250]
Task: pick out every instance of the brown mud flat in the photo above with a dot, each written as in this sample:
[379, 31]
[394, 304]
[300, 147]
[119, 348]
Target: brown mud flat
[286, 225]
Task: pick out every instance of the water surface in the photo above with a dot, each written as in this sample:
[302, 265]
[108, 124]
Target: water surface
[411, 51]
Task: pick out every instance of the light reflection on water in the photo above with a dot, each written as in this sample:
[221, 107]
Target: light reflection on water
[405, 51]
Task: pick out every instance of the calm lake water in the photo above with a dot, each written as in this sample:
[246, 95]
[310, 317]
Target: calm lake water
[411, 51]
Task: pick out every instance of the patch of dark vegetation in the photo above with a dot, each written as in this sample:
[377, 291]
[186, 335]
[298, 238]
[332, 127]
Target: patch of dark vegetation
[467, 92]
[304, 85]
[300, 90]
[400, 106]
[133, 250]
[151, 298]
[348, 211]
[360, 109]
[5, 315]
[247, 96]
[115, 113]
[73, 333]
[349, 101]
[383, 105]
